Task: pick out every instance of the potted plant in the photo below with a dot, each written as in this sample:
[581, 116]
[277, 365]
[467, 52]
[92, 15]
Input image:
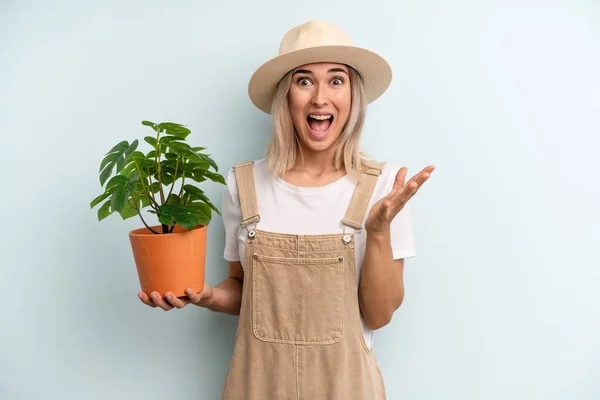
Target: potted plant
[169, 257]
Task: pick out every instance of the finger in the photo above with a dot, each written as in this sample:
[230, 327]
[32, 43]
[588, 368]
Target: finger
[425, 174]
[144, 298]
[193, 296]
[197, 297]
[176, 301]
[399, 181]
[410, 189]
[160, 302]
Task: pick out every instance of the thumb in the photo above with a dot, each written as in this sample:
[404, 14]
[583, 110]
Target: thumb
[198, 297]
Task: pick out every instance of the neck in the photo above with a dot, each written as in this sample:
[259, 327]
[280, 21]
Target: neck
[317, 162]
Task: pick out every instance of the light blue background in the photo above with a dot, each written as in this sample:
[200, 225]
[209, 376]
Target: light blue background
[502, 300]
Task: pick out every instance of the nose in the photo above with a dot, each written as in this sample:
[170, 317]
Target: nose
[319, 97]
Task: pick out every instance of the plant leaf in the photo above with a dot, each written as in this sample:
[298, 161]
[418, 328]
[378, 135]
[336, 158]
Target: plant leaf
[117, 156]
[173, 199]
[104, 211]
[151, 125]
[202, 211]
[122, 192]
[99, 199]
[181, 215]
[151, 141]
[145, 201]
[210, 161]
[128, 211]
[155, 187]
[198, 194]
[174, 129]
[116, 181]
[214, 177]
[197, 177]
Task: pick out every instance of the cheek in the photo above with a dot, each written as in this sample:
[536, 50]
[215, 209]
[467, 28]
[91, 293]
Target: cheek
[343, 104]
[297, 104]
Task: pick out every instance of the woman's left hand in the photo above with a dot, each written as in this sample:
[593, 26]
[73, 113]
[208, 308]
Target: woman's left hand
[384, 211]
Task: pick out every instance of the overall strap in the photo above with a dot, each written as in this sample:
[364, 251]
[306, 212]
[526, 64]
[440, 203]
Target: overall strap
[244, 176]
[362, 194]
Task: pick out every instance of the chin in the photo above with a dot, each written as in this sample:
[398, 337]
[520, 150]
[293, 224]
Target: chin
[318, 145]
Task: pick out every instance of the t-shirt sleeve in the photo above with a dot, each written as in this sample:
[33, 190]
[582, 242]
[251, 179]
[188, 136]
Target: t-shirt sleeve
[232, 215]
[402, 235]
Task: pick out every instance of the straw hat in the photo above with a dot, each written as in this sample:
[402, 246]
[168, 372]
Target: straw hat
[312, 42]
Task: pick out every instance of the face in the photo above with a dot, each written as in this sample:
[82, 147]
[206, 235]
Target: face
[319, 99]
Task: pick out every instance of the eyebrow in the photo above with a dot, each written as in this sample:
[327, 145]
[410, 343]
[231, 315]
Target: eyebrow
[309, 72]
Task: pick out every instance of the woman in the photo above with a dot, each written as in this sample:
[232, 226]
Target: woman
[316, 235]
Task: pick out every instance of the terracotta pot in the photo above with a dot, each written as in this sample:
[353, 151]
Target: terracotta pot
[170, 262]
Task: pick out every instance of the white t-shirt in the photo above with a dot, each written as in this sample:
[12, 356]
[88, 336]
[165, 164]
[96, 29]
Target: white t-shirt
[284, 208]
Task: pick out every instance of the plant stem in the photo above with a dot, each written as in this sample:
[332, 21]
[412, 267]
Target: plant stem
[140, 214]
[174, 179]
[182, 185]
[150, 191]
[156, 161]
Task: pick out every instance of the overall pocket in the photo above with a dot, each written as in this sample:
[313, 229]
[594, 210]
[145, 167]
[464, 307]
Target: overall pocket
[297, 300]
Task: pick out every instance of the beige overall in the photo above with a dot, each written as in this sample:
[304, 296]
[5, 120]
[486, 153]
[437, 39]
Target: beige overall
[299, 334]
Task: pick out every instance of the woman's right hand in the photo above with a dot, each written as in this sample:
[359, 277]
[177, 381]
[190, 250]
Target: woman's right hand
[201, 299]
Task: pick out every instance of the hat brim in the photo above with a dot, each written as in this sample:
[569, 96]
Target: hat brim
[375, 71]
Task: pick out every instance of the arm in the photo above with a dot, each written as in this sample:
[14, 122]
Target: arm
[227, 296]
[381, 288]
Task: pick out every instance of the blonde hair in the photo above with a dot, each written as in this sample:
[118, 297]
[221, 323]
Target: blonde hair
[284, 145]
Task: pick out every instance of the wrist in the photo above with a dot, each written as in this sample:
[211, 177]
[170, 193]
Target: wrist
[379, 234]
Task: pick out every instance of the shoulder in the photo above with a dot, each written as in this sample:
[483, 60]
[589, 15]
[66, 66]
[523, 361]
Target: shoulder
[258, 168]
[386, 169]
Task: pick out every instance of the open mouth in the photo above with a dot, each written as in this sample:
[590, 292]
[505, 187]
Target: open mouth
[319, 123]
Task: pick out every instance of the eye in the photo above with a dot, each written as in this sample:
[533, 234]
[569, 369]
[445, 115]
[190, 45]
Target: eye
[303, 81]
[337, 81]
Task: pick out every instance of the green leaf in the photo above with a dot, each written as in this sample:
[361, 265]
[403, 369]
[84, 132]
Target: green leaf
[214, 177]
[129, 170]
[136, 160]
[145, 201]
[197, 177]
[197, 165]
[99, 199]
[151, 155]
[174, 129]
[167, 179]
[130, 150]
[155, 187]
[202, 211]
[173, 199]
[151, 141]
[104, 211]
[179, 148]
[122, 193]
[110, 160]
[116, 181]
[128, 211]
[149, 167]
[117, 156]
[210, 161]
[197, 194]
[168, 139]
[181, 215]
[149, 123]
[166, 219]
[197, 149]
